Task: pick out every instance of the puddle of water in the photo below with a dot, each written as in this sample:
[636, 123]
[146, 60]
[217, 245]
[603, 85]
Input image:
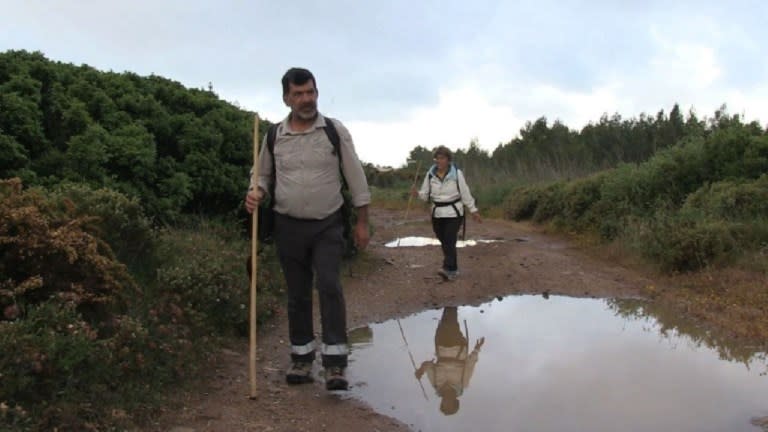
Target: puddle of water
[426, 241]
[559, 364]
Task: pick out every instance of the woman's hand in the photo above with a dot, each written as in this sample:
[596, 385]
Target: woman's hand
[476, 216]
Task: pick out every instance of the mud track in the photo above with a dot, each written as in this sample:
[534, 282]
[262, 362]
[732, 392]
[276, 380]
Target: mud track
[388, 283]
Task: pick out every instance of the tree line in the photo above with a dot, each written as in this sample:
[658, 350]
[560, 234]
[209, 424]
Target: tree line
[545, 150]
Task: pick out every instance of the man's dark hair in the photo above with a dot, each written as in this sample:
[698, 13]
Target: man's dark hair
[297, 76]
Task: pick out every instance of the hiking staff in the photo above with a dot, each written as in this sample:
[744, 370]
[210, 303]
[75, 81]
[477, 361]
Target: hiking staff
[413, 186]
[410, 196]
[254, 262]
[402, 333]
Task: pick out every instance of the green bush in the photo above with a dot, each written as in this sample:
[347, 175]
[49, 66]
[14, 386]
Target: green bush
[672, 174]
[667, 178]
[685, 241]
[49, 356]
[732, 200]
[521, 202]
[580, 199]
[550, 203]
[738, 151]
[113, 216]
[66, 375]
[621, 189]
[205, 266]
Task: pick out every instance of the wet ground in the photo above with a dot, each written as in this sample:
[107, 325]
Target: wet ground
[573, 362]
[531, 363]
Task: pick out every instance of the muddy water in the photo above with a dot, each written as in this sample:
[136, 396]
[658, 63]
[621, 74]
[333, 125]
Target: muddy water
[528, 363]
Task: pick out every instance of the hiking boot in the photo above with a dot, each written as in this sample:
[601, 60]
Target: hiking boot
[334, 378]
[299, 373]
[448, 275]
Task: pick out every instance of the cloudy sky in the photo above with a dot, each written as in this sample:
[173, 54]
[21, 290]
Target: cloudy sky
[405, 73]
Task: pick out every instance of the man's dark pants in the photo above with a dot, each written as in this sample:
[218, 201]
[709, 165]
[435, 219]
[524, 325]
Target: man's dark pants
[309, 248]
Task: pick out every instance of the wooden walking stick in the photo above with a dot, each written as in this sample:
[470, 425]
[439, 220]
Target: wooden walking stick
[413, 185]
[410, 197]
[254, 260]
[402, 333]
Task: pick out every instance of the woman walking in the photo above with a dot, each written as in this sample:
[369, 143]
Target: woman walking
[445, 187]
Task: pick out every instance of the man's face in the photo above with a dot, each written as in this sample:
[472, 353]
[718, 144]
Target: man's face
[302, 99]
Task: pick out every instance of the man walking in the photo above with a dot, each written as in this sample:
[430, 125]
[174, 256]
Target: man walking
[306, 169]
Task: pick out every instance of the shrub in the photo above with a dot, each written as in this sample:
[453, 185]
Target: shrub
[736, 152]
[114, 217]
[672, 174]
[685, 241]
[64, 332]
[733, 200]
[205, 267]
[550, 203]
[46, 255]
[50, 356]
[521, 202]
[579, 202]
[78, 339]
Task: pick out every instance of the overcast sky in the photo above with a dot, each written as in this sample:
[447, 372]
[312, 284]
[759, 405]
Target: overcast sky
[405, 73]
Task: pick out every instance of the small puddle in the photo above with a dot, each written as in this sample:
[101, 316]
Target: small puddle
[427, 241]
[527, 363]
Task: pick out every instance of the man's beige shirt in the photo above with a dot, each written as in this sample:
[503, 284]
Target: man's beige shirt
[308, 177]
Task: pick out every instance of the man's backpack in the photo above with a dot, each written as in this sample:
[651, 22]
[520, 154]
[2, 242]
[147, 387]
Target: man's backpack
[266, 213]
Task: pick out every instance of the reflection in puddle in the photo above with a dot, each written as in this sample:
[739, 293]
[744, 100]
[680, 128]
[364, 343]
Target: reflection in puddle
[426, 241]
[559, 364]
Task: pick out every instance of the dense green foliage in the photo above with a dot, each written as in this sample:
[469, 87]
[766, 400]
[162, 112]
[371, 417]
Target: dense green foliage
[123, 261]
[176, 150]
[688, 206]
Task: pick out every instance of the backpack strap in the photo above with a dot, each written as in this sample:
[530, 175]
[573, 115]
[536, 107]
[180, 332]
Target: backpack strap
[464, 214]
[271, 137]
[429, 184]
[333, 137]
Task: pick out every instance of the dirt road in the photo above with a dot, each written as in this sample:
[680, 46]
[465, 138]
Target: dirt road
[389, 283]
